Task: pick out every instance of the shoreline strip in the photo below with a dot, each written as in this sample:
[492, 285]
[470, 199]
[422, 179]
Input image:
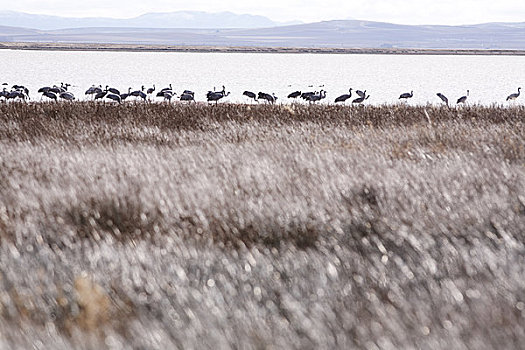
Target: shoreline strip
[251, 49]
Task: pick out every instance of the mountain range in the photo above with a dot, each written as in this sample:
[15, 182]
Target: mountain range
[327, 34]
[179, 19]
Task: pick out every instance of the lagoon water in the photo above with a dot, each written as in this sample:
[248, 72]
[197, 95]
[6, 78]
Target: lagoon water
[489, 78]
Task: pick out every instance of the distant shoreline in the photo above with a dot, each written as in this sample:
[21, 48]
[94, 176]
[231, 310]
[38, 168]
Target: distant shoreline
[250, 49]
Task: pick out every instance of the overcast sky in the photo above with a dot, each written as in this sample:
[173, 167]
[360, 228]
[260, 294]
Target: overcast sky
[397, 11]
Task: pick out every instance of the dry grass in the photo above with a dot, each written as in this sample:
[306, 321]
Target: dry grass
[63, 46]
[234, 226]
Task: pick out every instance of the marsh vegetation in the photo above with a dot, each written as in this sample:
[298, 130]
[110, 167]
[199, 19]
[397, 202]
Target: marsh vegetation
[236, 226]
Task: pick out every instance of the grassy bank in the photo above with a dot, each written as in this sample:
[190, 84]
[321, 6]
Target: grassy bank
[162, 226]
[250, 49]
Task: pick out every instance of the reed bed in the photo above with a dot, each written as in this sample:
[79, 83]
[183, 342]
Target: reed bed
[255, 226]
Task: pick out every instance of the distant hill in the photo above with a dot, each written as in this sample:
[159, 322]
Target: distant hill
[368, 34]
[329, 34]
[179, 19]
[15, 31]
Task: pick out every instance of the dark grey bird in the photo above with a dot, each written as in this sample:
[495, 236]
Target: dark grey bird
[50, 95]
[139, 93]
[294, 94]
[43, 89]
[442, 97]
[12, 95]
[4, 93]
[114, 97]
[112, 90]
[360, 93]
[166, 89]
[93, 90]
[61, 88]
[512, 97]
[188, 92]
[344, 97]
[406, 95]
[250, 94]
[316, 97]
[216, 95]
[187, 97]
[68, 96]
[55, 89]
[22, 88]
[360, 99]
[463, 99]
[168, 95]
[150, 90]
[269, 98]
[210, 92]
[305, 95]
[100, 95]
[125, 95]
[142, 95]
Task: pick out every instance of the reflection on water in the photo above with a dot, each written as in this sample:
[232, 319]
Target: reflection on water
[489, 78]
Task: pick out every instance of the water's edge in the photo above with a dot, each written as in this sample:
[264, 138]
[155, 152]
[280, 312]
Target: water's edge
[249, 49]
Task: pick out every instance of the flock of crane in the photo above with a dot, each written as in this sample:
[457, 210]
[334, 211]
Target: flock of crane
[55, 92]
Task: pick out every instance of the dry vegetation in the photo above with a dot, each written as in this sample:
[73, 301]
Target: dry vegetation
[64, 46]
[233, 226]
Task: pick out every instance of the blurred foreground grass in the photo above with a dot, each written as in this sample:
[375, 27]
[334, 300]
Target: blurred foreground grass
[235, 226]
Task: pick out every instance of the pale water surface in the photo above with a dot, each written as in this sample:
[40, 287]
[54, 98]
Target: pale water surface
[489, 78]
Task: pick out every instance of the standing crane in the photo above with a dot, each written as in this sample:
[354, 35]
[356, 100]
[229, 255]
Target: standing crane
[442, 97]
[512, 97]
[463, 99]
[344, 97]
